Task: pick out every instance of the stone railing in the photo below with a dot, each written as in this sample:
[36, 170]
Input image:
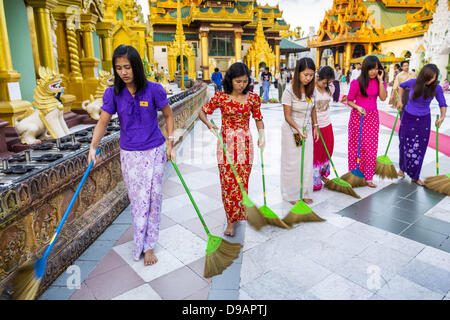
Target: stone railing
[31, 208]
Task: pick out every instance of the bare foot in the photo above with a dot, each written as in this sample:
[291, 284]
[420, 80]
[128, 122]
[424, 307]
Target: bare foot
[293, 202]
[229, 231]
[149, 258]
[371, 184]
[418, 182]
[401, 174]
[308, 201]
[325, 180]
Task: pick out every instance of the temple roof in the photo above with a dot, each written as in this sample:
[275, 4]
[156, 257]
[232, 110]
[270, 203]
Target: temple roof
[290, 46]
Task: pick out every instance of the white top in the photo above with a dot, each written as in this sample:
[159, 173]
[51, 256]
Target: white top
[301, 108]
[323, 106]
[355, 74]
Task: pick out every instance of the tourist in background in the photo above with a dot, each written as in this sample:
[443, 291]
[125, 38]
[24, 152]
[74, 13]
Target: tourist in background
[337, 79]
[281, 84]
[323, 95]
[362, 98]
[266, 78]
[356, 72]
[299, 112]
[217, 78]
[143, 151]
[415, 126]
[236, 105]
[403, 76]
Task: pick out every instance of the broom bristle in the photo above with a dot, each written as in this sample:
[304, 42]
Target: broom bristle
[219, 260]
[439, 184]
[385, 171]
[332, 185]
[25, 283]
[292, 218]
[278, 223]
[255, 218]
[353, 180]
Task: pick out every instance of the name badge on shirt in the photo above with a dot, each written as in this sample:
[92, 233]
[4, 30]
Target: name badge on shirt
[143, 103]
[308, 100]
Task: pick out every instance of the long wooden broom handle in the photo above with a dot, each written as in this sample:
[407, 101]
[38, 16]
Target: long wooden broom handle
[229, 161]
[262, 168]
[392, 132]
[326, 149]
[190, 197]
[437, 148]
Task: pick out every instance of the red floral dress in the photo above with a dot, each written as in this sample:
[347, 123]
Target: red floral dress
[237, 138]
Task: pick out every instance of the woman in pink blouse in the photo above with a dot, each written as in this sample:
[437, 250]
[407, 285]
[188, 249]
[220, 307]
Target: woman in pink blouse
[362, 98]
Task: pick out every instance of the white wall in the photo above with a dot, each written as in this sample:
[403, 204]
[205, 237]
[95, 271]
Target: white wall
[161, 57]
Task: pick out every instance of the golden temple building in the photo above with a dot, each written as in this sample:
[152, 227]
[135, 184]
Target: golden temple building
[219, 32]
[355, 28]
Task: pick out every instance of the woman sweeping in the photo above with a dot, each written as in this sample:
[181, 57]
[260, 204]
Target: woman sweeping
[299, 112]
[143, 152]
[415, 127]
[237, 104]
[362, 98]
[323, 95]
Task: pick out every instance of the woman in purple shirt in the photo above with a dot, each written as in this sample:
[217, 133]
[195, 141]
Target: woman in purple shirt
[415, 127]
[143, 151]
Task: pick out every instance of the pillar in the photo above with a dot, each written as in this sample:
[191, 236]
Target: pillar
[11, 102]
[336, 57]
[238, 45]
[348, 55]
[89, 62]
[370, 49]
[277, 56]
[104, 31]
[205, 54]
[318, 57]
[41, 9]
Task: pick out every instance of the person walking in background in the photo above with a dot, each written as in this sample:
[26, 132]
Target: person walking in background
[362, 98]
[356, 72]
[236, 105]
[403, 76]
[217, 78]
[281, 84]
[336, 84]
[395, 73]
[299, 113]
[415, 126]
[323, 95]
[266, 78]
[143, 151]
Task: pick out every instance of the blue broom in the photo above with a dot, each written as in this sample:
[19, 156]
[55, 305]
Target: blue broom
[28, 278]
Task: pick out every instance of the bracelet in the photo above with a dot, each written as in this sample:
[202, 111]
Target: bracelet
[170, 137]
[315, 124]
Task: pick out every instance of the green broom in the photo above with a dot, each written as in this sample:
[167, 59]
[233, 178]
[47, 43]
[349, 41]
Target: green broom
[384, 166]
[439, 183]
[267, 216]
[250, 208]
[337, 183]
[300, 212]
[219, 252]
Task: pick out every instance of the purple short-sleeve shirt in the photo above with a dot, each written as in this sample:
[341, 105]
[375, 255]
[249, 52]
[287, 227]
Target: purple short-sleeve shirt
[138, 116]
[421, 106]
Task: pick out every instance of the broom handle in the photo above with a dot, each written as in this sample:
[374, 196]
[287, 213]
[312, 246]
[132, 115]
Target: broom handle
[229, 160]
[392, 133]
[326, 149]
[437, 148]
[262, 168]
[301, 173]
[359, 143]
[66, 214]
[190, 197]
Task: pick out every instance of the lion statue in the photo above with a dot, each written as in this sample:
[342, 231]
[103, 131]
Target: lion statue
[93, 105]
[45, 119]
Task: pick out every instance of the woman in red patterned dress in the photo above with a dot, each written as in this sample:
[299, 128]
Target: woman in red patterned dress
[236, 104]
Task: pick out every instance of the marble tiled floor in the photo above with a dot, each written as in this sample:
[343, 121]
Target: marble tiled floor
[341, 258]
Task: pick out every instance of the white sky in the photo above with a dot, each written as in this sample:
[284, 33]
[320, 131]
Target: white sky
[302, 13]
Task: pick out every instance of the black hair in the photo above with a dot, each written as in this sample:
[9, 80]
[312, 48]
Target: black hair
[326, 73]
[303, 64]
[237, 69]
[403, 62]
[267, 69]
[420, 87]
[136, 65]
[369, 63]
[216, 69]
[397, 65]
